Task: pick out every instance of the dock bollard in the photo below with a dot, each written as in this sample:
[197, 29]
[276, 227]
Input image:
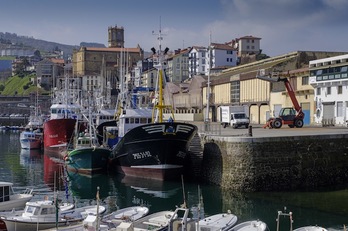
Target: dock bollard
[250, 130]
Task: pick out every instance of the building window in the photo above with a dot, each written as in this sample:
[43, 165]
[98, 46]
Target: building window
[318, 91]
[235, 92]
[339, 90]
[328, 90]
[305, 80]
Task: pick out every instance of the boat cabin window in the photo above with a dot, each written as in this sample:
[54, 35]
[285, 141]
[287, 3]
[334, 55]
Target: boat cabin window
[4, 193]
[46, 211]
[32, 209]
[137, 120]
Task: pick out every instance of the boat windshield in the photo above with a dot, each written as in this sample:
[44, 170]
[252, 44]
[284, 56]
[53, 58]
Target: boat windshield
[32, 210]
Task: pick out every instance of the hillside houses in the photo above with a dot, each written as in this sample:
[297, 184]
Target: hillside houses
[319, 78]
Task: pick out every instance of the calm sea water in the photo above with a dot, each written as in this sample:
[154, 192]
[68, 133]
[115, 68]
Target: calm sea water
[44, 173]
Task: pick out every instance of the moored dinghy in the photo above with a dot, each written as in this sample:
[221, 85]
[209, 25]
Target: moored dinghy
[221, 222]
[254, 225]
[155, 222]
[311, 228]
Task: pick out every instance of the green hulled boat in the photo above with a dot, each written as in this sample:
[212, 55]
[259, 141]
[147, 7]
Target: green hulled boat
[88, 156]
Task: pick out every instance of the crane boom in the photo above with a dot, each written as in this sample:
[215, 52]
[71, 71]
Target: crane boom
[289, 89]
[293, 117]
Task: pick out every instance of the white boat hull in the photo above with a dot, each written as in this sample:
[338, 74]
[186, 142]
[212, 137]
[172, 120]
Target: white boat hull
[218, 222]
[17, 202]
[15, 225]
[310, 228]
[255, 225]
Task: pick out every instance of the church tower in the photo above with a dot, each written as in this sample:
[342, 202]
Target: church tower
[116, 37]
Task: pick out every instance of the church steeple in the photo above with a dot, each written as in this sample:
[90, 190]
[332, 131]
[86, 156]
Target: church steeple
[116, 37]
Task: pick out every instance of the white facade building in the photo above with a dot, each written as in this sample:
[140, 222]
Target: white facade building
[329, 77]
[197, 61]
[222, 55]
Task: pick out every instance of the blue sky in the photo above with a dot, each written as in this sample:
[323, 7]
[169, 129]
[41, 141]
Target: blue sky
[283, 25]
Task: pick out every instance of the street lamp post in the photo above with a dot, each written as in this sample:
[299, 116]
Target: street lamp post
[206, 120]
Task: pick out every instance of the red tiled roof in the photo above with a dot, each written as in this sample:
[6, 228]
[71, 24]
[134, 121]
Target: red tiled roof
[220, 46]
[58, 61]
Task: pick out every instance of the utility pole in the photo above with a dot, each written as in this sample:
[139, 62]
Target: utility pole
[206, 120]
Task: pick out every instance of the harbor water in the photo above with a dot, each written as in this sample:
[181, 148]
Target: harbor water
[46, 173]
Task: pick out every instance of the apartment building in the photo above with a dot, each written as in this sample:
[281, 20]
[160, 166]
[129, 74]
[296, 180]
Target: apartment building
[178, 66]
[329, 78]
[48, 71]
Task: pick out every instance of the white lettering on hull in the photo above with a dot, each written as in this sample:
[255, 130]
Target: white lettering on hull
[141, 155]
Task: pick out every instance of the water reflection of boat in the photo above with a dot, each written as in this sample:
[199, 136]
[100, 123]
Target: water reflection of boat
[53, 173]
[85, 186]
[150, 193]
[158, 189]
[29, 156]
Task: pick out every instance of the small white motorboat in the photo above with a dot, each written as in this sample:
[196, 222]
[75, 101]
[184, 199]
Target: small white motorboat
[154, 222]
[126, 214]
[221, 222]
[10, 200]
[310, 228]
[254, 225]
[40, 215]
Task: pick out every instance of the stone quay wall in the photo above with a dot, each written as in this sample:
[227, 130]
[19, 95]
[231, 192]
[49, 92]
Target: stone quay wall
[275, 163]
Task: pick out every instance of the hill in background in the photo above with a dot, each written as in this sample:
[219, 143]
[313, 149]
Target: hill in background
[7, 39]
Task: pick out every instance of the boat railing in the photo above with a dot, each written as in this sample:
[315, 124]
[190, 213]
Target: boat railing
[28, 191]
[284, 214]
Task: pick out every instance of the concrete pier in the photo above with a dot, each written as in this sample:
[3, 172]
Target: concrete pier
[275, 159]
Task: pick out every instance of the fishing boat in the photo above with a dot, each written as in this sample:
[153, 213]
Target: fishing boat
[31, 139]
[150, 146]
[253, 225]
[65, 112]
[45, 214]
[88, 156]
[10, 200]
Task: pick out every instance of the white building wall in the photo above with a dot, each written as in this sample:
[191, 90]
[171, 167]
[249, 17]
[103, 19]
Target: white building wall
[331, 89]
[221, 56]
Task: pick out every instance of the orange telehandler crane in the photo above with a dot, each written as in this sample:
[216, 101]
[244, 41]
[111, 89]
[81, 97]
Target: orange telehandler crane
[291, 116]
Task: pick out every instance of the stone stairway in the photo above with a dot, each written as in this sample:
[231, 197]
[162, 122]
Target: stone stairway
[196, 153]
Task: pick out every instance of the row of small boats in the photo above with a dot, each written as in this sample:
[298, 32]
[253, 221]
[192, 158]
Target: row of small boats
[55, 215]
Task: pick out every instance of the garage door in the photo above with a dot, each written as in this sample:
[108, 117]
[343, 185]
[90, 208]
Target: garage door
[329, 113]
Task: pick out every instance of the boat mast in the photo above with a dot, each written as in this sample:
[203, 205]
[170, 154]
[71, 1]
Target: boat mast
[159, 105]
